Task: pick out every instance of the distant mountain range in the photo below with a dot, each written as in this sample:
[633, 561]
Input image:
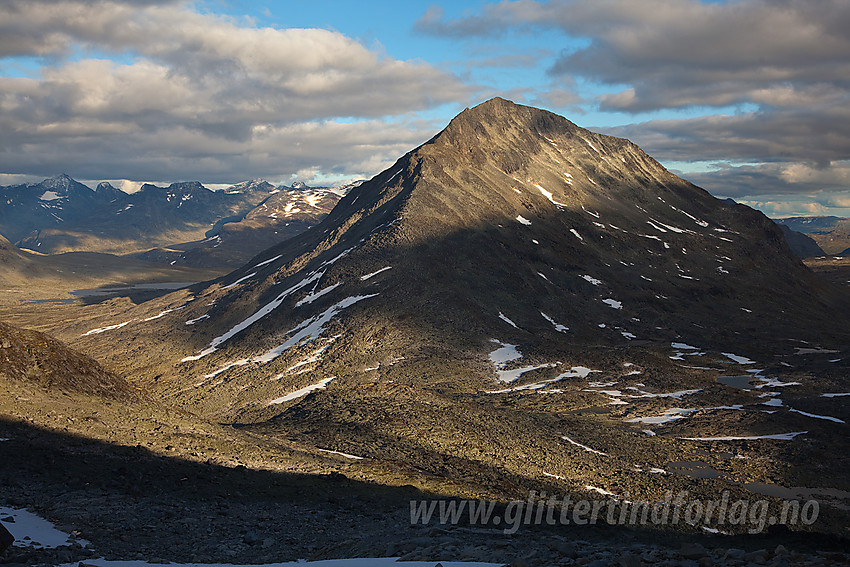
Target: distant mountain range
[62, 215]
[55, 201]
[187, 224]
[831, 234]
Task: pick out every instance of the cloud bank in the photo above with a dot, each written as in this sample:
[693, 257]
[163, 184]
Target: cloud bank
[142, 90]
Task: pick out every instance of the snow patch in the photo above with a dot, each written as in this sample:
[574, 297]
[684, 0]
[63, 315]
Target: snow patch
[346, 455]
[591, 145]
[240, 280]
[513, 375]
[201, 318]
[311, 328]
[262, 312]
[577, 372]
[50, 196]
[738, 359]
[777, 436]
[225, 368]
[313, 296]
[678, 395]
[558, 327]
[373, 274]
[269, 261]
[164, 313]
[548, 195]
[504, 354]
[601, 491]
[41, 533]
[818, 350]
[591, 213]
[826, 417]
[534, 386]
[672, 414]
[109, 328]
[585, 447]
[504, 318]
[320, 385]
[315, 356]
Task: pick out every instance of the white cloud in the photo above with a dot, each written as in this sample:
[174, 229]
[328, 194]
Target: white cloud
[676, 53]
[783, 209]
[200, 96]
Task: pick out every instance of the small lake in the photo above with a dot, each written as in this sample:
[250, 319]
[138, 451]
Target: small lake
[699, 469]
[102, 291]
[57, 301]
[694, 469]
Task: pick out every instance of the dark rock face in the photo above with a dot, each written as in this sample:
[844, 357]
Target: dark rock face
[801, 244]
[52, 202]
[6, 539]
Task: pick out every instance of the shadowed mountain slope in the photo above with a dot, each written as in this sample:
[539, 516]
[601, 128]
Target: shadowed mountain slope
[801, 244]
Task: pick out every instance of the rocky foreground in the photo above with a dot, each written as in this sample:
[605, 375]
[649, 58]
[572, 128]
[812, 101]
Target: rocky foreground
[132, 504]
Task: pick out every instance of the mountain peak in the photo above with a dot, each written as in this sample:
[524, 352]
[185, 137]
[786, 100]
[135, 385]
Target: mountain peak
[507, 133]
[497, 109]
[187, 186]
[62, 182]
[61, 178]
[257, 184]
[107, 189]
[498, 105]
[500, 160]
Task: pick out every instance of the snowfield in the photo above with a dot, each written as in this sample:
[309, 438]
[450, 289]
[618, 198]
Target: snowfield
[311, 328]
[41, 533]
[320, 385]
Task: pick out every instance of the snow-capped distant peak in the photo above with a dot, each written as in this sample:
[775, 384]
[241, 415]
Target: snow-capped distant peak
[257, 184]
[60, 182]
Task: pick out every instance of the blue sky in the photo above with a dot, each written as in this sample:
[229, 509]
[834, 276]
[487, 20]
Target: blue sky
[748, 99]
